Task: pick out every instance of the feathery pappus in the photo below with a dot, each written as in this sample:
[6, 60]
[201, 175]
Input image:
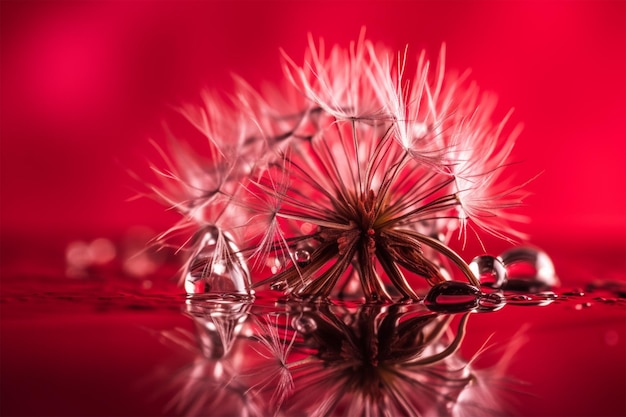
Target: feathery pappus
[353, 174]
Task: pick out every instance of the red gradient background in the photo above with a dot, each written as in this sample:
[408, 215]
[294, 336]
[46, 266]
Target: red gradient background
[85, 84]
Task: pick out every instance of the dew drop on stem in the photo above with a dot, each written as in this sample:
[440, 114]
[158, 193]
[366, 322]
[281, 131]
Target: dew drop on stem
[302, 257]
[452, 297]
[490, 271]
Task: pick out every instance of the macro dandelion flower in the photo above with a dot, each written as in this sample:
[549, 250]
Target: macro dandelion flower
[354, 172]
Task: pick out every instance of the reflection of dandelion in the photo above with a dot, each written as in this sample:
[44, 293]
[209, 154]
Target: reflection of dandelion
[276, 377]
[327, 360]
[205, 386]
[375, 364]
[387, 362]
[218, 325]
[231, 373]
[490, 389]
[364, 169]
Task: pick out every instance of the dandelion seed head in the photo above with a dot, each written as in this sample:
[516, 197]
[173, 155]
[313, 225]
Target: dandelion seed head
[362, 164]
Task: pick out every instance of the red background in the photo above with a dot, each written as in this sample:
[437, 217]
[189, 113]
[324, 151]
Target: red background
[85, 84]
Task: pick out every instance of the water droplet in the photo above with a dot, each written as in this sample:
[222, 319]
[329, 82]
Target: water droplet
[209, 272]
[529, 270]
[574, 293]
[452, 297]
[302, 257]
[489, 270]
[531, 300]
[305, 324]
[491, 302]
[582, 306]
[548, 294]
[278, 286]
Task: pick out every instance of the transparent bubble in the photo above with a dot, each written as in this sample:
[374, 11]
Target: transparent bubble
[278, 286]
[217, 267]
[452, 297]
[489, 270]
[305, 324]
[302, 257]
[491, 302]
[529, 270]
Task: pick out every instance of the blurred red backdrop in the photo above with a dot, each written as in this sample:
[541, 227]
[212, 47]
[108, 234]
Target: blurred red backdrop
[85, 84]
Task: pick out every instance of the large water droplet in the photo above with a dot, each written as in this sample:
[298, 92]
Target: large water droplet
[529, 270]
[302, 257]
[217, 267]
[489, 270]
[452, 297]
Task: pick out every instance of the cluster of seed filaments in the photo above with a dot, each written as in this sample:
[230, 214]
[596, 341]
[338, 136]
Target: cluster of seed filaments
[364, 235]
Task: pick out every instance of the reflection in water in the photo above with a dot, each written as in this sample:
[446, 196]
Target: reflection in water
[323, 360]
[211, 383]
[380, 361]
[218, 324]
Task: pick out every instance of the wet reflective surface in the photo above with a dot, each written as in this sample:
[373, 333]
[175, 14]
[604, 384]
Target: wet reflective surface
[112, 346]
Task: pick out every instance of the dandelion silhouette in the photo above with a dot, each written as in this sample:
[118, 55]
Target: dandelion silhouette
[351, 172]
